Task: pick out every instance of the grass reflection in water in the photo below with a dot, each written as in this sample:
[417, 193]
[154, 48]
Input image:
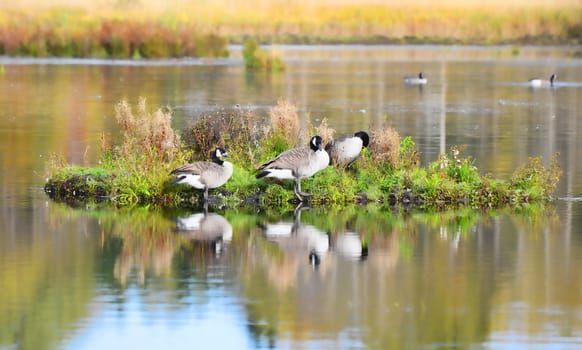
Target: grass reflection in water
[412, 267]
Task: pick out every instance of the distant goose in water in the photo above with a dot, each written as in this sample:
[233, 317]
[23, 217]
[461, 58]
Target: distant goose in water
[419, 80]
[537, 82]
[296, 164]
[346, 149]
[205, 175]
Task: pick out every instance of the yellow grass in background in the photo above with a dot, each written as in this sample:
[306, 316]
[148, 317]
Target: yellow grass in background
[312, 21]
[233, 5]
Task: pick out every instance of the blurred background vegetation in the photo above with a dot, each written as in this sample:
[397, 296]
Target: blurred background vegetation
[188, 28]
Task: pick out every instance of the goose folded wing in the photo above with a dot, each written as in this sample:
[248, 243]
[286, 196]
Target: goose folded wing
[287, 160]
[194, 169]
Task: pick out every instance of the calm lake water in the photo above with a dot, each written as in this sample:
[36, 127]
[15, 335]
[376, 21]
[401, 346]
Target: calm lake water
[388, 278]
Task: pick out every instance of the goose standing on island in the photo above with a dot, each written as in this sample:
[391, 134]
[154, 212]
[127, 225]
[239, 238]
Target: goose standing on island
[205, 175]
[296, 164]
[346, 149]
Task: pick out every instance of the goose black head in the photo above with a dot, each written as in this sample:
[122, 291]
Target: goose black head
[364, 136]
[316, 143]
[218, 154]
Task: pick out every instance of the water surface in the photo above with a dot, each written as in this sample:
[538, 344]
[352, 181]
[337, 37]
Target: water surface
[94, 278]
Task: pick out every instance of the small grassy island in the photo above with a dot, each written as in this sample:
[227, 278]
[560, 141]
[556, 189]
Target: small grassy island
[136, 172]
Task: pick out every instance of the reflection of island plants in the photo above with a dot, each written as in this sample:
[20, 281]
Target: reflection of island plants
[143, 242]
[136, 171]
[278, 279]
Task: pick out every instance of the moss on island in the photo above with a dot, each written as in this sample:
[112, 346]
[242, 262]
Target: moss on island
[136, 172]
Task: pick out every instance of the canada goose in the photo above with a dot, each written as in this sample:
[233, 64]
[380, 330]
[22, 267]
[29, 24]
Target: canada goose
[346, 149]
[419, 80]
[537, 82]
[296, 164]
[205, 175]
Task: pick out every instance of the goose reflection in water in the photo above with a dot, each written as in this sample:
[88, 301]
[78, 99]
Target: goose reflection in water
[298, 238]
[206, 227]
[349, 244]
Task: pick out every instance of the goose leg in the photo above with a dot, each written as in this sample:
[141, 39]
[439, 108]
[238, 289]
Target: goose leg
[295, 190]
[301, 195]
[205, 194]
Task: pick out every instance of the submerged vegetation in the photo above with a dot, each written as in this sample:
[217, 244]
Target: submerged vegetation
[137, 170]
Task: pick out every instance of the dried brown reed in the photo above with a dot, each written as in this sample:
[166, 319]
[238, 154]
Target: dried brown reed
[248, 139]
[149, 133]
[324, 130]
[54, 163]
[234, 130]
[385, 145]
[285, 121]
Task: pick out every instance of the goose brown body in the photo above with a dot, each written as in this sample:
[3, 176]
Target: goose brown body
[205, 175]
[537, 82]
[418, 80]
[296, 164]
[346, 149]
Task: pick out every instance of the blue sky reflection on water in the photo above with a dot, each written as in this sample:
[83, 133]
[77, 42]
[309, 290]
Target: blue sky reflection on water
[218, 324]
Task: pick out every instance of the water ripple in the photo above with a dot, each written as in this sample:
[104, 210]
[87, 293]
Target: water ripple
[570, 199]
